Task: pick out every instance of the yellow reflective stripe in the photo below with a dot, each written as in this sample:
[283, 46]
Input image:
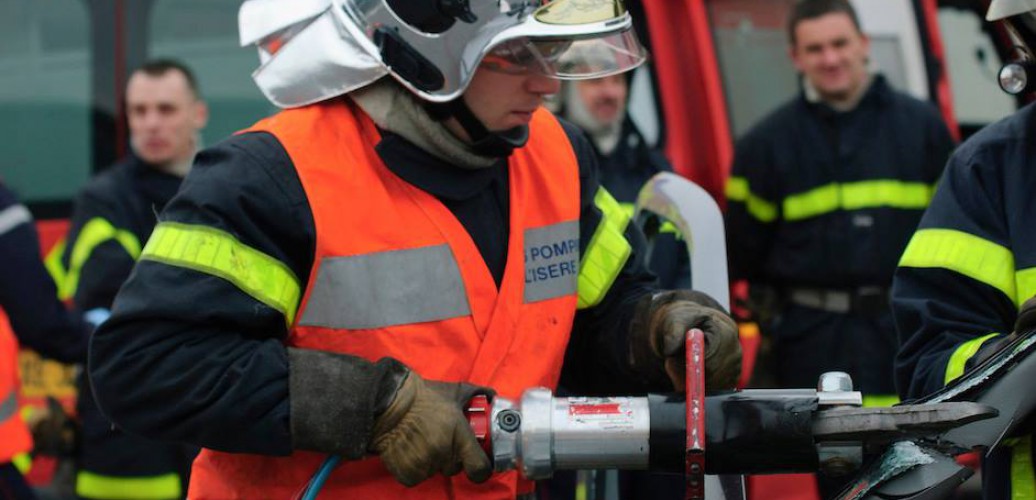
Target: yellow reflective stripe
[90, 485]
[814, 202]
[211, 251]
[856, 196]
[607, 252]
[1025, 283]
[22, 462]
[879, 400]
[1023, 482]
[55, 268]
[95, 232]
[963, 253]
[955, 366]
[886, 193]
[737, 190]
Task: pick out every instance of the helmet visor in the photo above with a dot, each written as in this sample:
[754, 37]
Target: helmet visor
[568, 58]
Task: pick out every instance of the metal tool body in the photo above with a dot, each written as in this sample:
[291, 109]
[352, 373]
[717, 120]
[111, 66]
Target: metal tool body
[752, 431]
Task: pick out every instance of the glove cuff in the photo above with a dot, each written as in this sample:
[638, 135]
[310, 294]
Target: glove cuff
[335, 398]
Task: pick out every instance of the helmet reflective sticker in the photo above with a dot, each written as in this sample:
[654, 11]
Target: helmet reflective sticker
[580, 11]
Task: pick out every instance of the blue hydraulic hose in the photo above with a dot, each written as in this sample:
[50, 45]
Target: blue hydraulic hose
[320, 477]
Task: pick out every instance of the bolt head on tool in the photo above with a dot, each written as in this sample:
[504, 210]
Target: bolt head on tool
[835, 382]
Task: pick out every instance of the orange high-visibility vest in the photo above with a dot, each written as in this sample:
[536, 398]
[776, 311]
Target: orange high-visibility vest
[396, 274]
[14, 434]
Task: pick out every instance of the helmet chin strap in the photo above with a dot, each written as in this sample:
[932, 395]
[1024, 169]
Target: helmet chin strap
[483, 141]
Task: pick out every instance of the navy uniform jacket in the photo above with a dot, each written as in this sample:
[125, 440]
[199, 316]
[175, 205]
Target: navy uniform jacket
[824, 199]
[189, 337]
[973, 259]
[113, 217]
[28, 294]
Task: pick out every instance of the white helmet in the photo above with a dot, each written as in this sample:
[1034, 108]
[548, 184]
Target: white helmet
[317, 49]
[1018, 75]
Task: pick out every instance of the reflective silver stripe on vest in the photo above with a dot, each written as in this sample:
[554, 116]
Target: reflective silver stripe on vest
[8, 407]
[12, 217]
[551, 261]
[387, 288]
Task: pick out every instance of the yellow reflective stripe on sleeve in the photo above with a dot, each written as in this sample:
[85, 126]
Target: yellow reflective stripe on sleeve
[856, 196]
[1023, 481]
[95, 232]
[55, 268]
[22, 462]
[955, 366]
[963, 253]
[879, 400]
[737, 190]
[1025, 283]
[211, 251]
[607, 252]
[165, 486]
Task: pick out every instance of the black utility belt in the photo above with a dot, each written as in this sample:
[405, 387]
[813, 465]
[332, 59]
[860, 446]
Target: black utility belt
[867, 299]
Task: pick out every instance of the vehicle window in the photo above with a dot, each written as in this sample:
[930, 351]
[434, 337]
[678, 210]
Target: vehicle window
[972, 63]
[896, 49]
[752, 50]
[203, 34]
[45, 98]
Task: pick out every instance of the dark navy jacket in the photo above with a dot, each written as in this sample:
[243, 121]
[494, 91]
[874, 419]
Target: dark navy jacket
[190, 337]
[113, 217]
[971, 263]
[28, 294]
[119, 208]
[827, 199]
[984, 209]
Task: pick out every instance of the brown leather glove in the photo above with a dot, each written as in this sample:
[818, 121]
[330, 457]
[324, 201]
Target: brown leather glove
[659, 333]
[424, 432]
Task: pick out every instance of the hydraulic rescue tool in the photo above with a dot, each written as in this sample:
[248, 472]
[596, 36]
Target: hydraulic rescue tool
[904, 450]
[745, 432]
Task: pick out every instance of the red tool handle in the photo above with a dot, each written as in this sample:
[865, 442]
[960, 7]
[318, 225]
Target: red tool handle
[695, 384]
[478, 413]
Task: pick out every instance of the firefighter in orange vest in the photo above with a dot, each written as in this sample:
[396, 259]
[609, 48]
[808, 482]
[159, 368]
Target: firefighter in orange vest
[35, 319]
[413, 229]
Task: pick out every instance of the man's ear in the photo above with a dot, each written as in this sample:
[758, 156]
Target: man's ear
[794, 58]
[200, 116]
